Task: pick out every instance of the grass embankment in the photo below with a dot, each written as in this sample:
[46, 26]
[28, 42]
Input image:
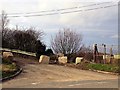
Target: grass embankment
[96, 66]
[104, 67]
[7, 69]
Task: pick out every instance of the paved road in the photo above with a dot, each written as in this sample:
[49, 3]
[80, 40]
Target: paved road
[53, 76]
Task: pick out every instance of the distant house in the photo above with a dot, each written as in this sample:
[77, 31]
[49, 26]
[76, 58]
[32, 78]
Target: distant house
[117, 56]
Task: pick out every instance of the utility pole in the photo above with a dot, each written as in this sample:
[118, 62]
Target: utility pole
[104, 59]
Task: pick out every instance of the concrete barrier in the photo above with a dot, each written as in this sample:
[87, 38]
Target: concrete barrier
[78, 60]
[7, 56]
[62, 60]
[44, 59]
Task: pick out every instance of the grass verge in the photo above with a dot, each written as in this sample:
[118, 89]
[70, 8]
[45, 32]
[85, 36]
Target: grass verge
[8, 70]
[104, 67]
[96, 66]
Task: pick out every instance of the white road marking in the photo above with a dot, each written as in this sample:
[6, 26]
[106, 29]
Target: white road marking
[85, 83]
[34, 83]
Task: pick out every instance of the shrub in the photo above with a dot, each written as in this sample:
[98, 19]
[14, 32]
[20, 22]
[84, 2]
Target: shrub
[6, 61]
[40, 49]
[49, 52]
[53, 59]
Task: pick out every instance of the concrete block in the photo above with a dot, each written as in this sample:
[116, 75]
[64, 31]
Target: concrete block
[78, 60]
[7, 56]
[44, 59]
[62, 60]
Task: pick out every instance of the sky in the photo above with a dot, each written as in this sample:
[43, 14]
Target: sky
[96, 26]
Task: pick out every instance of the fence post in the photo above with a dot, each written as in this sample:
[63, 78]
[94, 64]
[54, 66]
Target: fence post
[104, 60]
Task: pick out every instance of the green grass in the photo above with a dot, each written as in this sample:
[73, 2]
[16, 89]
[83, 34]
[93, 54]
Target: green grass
[8, 70]
[104, 67]
[96, 66]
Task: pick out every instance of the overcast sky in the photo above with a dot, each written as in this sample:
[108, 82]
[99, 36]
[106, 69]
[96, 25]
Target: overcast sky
[96, 26]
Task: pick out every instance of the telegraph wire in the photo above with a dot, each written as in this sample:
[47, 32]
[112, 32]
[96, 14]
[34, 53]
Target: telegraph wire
[66, 12]
[63, 9]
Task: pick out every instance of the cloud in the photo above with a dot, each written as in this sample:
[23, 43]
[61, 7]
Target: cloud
[115, 36]
[90, 18]
[96, 25]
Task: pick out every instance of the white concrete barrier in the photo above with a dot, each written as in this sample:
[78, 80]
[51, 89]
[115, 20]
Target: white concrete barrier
[44, 59]
[7, 56]
[78, 60]
[62, 60]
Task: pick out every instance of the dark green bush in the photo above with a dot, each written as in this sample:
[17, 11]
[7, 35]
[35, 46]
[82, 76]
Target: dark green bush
[49, 52]
[53, 59]
[6, 61]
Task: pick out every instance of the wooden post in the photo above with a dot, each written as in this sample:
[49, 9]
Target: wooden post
[111, 55]
[104, 46]
[95, 52]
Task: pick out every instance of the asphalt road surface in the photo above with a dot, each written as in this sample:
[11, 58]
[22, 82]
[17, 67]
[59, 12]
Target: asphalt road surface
[37, 75]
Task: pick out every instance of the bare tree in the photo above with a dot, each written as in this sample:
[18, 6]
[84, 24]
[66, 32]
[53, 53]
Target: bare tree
[38, 34]
[3, 28]
[4, 20]
[66, 42]
[85, 52]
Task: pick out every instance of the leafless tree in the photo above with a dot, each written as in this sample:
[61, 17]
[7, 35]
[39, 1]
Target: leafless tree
[66, 41]
[4, 20]
[38, 34]
[3, 27]
[85, 52]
